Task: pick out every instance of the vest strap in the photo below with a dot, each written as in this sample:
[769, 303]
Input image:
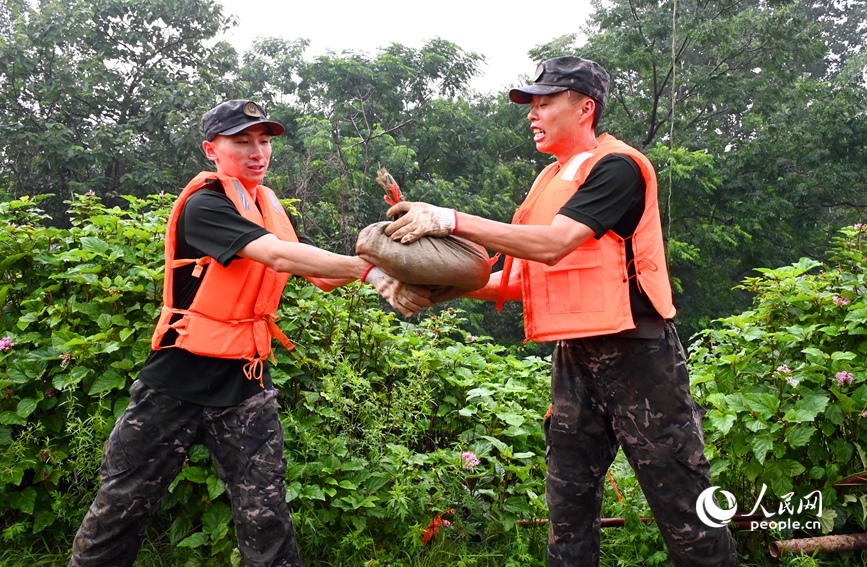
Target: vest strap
[504, 282]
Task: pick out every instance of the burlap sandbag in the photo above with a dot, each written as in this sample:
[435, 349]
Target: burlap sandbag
[449, 266]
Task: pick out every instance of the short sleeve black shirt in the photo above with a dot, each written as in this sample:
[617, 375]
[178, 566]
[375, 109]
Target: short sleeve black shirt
[209, 225]
[612, 198]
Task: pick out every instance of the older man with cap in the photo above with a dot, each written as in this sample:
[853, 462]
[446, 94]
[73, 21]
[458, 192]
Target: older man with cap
[230, 248]
[585, 256]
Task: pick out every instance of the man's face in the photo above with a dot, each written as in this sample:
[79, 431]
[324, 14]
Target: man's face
[244, 155]
[554, 121]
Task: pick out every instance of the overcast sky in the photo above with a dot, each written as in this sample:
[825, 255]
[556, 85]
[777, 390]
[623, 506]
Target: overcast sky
[501, 31]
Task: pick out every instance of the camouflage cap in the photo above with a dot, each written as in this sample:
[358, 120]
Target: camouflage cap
[566, 73]
[232, 116]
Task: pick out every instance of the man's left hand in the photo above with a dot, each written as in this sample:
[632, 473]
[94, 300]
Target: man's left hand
[419, 219]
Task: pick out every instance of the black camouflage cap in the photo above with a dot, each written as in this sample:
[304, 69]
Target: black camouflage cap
[565, 73]
[233, 116]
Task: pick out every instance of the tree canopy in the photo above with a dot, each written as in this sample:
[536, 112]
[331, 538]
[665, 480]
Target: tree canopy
[753, 113]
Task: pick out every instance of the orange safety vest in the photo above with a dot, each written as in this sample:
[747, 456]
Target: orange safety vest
[233, 312]
[587, 293]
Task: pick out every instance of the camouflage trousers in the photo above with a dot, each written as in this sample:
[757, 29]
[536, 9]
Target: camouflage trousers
[634, 394]
[147, 449]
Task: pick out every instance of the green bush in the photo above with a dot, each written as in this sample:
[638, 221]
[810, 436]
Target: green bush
[392, 424]
[377, 411]
[786, 386]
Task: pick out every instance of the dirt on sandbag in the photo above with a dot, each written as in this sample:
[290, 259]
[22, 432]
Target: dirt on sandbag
[449, 266]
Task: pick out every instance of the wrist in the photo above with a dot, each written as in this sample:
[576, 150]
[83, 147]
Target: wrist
[448, 219]
[366, 273]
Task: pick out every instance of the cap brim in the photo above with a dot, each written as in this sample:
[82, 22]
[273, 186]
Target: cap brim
[274, 128]
[524, 95]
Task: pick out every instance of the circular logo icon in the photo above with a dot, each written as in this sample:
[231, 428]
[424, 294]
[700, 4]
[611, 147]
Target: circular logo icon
[251, 109]
[710, 513]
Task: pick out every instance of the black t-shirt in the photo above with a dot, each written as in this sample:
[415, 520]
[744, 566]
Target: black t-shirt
[612, 198]
[209, 225]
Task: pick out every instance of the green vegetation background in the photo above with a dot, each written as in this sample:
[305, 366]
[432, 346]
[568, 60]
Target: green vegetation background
[761, 163]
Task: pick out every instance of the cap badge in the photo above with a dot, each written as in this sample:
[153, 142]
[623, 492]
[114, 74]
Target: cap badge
[251, 109]
[540, 70]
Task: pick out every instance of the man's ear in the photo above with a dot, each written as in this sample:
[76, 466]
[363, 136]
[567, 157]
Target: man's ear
[208, 148]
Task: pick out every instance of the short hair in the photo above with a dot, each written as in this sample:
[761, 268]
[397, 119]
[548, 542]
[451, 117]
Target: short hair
[597, 107]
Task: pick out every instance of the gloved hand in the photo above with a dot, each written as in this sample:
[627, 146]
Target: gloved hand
[420, 219]
[405, 298]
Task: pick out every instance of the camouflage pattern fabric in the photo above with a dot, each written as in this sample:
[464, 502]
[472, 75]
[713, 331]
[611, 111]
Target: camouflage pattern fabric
[632, 393]
[144, 454]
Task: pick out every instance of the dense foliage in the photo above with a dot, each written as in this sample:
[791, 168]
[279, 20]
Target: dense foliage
[786, 384]
[754, 113]
[388, 423]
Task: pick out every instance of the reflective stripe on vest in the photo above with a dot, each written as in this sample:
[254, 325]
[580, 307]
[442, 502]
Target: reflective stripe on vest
[587, 292]
[233, 312]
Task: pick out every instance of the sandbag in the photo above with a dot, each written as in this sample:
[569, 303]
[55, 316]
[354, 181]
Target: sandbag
[449, 266]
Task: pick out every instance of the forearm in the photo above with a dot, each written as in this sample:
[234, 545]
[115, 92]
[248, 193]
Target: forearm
[328, 284]
[303, 260]
[541, 243]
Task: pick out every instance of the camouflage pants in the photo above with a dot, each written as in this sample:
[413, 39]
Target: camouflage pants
[630, 393]
[145, 452]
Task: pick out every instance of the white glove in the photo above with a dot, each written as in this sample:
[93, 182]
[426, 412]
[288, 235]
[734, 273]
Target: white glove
[420, 219]
[405, 298]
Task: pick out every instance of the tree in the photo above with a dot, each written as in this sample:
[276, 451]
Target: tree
[771, 94]
[106, 95]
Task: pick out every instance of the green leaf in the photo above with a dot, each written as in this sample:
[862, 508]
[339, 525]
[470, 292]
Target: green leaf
[761, 444]
[109, 380]
[722, 422]
[217, 518]
[806, 409]
[764, 405]
[198, 475]
[198, 539]
[96, 245]
[181, 526]
[215, 486]
[26, 407]
[11, 418]
[24, 500]
[42, 519]
[799, 435]
[71, 378]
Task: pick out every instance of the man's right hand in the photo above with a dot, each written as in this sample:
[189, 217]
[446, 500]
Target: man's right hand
[406, 299]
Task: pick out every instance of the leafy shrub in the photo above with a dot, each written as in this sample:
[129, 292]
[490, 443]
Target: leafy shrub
[378, 412]
[786, 385]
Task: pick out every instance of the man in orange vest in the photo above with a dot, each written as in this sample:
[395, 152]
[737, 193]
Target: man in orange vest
[230, 248]
[585, 255]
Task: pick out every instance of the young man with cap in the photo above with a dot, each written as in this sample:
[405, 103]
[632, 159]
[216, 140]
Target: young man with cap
[230, 248]
[591, 274]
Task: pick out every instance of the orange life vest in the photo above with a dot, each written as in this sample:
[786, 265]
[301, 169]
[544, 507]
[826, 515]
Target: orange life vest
[233, 312]
[587, 292]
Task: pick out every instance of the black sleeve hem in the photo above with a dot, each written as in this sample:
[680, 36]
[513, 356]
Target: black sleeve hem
[578, 216]
[226, 258]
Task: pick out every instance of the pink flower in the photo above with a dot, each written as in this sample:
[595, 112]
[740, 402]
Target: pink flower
[844, 378]
[840, 300]
[65, 359]
[469, 460]
[90, 193]
[783, 369]
[6, 343]
[472, 338]
[864, 413]
[860, 226]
